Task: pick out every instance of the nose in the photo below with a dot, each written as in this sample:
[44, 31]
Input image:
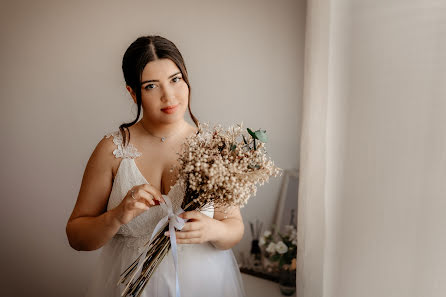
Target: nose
[167, 93]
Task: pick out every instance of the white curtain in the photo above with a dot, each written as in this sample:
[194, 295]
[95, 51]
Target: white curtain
[372, 194]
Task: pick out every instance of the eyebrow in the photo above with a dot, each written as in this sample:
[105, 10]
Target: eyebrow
[154, 80]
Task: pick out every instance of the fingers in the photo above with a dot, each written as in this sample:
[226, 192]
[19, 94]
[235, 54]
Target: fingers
[191, 233]
[156, 194]
[141, 205]
[191, 215]
[187, 237]
[149, 194]
[143, 197]
[190, 241]
[191, 226]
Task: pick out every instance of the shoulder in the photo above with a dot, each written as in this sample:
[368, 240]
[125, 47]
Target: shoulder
[192, 130]
[108, 145]
[102, 160]
[111, 139]
[111, 150]
[115, 140]
[111, 142]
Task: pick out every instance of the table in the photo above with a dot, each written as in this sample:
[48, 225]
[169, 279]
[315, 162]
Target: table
[259, 287]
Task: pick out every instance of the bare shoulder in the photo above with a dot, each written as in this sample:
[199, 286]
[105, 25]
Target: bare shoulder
[106, 145]
[104, 151]
[192, 130]
[97, 180]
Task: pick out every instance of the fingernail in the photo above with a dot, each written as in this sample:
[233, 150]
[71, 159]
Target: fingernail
[166, 233]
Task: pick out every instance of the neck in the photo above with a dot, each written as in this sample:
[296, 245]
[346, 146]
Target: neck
[163, 130]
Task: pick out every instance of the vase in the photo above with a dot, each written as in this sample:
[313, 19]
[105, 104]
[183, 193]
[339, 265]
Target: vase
[256, 255]
[287, 282]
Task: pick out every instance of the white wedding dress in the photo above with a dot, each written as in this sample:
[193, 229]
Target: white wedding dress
[203, 270]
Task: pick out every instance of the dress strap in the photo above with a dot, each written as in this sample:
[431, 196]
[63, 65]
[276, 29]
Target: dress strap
[121, 151]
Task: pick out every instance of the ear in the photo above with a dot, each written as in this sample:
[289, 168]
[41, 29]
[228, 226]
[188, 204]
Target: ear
[131, 93]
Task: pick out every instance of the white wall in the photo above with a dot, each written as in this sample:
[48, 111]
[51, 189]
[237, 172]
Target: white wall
[62, 90]
[373, 199]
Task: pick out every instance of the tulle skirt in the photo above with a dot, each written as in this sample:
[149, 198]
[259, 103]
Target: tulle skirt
[203, 271]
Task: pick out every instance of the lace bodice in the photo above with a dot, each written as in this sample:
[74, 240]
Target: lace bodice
[137, 231]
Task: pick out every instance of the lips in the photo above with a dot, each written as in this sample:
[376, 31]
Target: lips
[170, 109]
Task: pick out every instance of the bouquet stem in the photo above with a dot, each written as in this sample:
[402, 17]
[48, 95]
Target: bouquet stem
[158, 249]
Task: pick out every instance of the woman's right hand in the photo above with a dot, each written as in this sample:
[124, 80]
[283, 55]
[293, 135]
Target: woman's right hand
[145, 196]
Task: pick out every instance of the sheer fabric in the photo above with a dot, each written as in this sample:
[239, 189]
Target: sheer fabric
[203, 269]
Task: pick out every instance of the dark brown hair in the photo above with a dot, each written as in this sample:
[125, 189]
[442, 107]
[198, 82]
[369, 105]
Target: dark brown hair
[142, 51]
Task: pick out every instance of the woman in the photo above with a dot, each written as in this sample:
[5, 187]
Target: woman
[126, 176]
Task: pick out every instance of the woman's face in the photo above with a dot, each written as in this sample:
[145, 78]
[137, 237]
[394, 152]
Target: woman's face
[162, 86]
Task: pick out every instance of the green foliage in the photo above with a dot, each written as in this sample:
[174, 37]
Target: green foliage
[275, 257]
[251, 133]
[259, 135]
[244, 139]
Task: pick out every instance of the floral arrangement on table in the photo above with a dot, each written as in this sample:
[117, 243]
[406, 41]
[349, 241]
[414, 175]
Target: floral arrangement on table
[217, 167]
[281, 248]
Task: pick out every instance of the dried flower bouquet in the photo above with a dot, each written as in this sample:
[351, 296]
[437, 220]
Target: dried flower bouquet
[217, 167]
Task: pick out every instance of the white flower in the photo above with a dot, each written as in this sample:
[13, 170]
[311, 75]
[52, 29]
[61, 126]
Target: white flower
[294, 242]
[281, 248]
[271, 248]
[288, 229]
[267, 233]
[262, 241]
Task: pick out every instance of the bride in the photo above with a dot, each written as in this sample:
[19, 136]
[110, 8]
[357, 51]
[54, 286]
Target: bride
[118, 205]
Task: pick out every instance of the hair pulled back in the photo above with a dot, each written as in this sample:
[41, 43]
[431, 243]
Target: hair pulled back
[142, 51]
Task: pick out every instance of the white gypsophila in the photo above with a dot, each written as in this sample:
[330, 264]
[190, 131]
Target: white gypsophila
[271, 248]
[281, 247]
[218, 164]
[267, 233]
[294, 242]
[262, 241]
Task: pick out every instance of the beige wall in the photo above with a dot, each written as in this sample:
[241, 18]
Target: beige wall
[62, 90]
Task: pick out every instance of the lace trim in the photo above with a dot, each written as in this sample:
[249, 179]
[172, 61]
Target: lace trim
[128, 151]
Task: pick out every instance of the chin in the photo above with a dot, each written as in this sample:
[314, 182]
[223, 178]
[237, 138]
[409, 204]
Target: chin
[171, 118]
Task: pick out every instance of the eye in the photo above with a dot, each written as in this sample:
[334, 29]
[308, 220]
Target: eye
[176, 77]
[149, 86]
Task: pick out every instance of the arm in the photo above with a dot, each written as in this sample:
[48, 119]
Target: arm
[91, 233]
[90, 226]
[228, 231]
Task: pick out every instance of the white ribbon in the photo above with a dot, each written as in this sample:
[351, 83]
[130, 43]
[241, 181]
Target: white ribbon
[174, 222]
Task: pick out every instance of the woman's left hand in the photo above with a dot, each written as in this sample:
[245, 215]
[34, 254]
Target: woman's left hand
[198, 229]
